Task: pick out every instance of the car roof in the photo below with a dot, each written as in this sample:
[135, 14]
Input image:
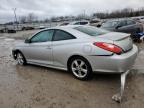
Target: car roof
[78, 21]
[70, 29]
[119, 19]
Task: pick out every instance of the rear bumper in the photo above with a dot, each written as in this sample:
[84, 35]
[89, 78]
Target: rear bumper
[115, 63]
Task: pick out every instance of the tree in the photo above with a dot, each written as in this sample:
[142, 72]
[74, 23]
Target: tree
[31, 17]
[23, 19]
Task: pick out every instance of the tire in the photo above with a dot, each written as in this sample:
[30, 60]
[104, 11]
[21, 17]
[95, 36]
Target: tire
[80, 68]
[20, 59]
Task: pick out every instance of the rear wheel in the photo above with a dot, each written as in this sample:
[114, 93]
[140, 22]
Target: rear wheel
[20, 59]
[80, 68]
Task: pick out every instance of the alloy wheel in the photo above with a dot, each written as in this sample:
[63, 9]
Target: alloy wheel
[79, 68]
[20, 59]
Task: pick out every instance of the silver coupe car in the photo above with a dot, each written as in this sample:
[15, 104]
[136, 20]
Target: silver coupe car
[78, 49]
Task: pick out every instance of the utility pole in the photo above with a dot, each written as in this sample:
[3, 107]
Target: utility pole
[84, 14]
[14, 9]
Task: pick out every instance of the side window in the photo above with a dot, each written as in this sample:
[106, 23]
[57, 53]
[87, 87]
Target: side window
[83, 23]
[43, 36]
[61, 35]
[130, 22]
[77, 23]
[123, 23]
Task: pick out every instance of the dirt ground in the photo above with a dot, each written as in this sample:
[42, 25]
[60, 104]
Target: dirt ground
[39, 87]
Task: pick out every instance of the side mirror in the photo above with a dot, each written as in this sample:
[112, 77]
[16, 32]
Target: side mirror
[27, 41]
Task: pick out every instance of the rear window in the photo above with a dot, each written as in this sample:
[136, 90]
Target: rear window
[83, 23]
[110, 24]
[92, 31]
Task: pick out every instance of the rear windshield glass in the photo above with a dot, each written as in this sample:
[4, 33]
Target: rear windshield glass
[110, 24]
[92, 31]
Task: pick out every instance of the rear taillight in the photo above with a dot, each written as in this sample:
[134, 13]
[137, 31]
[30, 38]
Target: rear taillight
[109, 47]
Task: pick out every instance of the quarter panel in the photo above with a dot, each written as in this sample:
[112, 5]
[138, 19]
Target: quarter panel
[63, 50]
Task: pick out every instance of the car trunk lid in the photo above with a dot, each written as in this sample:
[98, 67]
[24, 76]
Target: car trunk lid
[122, 40]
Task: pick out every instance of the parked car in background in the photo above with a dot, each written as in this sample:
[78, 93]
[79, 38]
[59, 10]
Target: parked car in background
[42, 27]
[3, 30]
[64, 24]
[27, 28]
[139, 19]
[74, 23]
[11, 31]
[96, 22]
[80, 23]
[7, 30]
[123, 25]
[81, 50]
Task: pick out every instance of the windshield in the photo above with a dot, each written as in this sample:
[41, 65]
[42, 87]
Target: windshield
[92, 31]
[110, 24]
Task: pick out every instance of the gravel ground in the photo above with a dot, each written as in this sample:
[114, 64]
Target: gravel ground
[39, 87]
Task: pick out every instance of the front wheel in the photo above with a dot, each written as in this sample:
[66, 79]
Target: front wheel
[20, 59]
[80, 68]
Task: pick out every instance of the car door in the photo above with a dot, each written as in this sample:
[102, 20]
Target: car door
[127, 26]
[132, 26]
[61, 42]
[39, 50]
[122, 26]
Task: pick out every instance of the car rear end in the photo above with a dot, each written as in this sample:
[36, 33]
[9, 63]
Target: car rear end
[123, 56]
[111, 51]
[114, 63]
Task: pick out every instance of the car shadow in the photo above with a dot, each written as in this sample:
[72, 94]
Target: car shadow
[97, 76]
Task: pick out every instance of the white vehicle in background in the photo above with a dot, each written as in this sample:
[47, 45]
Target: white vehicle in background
[96, 22]
[80, 23]
[75, 23]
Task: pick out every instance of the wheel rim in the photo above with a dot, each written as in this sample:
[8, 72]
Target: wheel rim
[20, 59]
[79, 68]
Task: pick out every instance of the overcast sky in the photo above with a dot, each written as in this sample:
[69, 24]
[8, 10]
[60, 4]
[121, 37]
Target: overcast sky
[48, 8]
